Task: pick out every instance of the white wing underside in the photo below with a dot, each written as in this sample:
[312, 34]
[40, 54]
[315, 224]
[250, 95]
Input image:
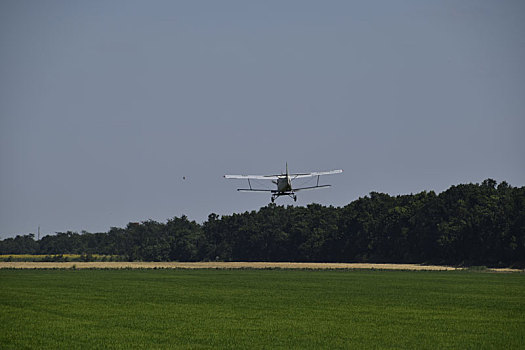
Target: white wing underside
[275, 177]
[255, 177]
[318, 173]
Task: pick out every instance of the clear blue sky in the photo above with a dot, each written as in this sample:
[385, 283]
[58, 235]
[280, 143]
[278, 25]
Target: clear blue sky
[106, 105]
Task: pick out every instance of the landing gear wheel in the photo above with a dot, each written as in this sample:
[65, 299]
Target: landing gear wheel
[273, 199]
[295, 198]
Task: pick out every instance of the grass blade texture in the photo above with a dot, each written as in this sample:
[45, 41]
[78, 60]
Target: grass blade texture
[304, 309]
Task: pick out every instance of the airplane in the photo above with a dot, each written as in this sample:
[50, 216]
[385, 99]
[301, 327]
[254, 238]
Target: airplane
[283, 182]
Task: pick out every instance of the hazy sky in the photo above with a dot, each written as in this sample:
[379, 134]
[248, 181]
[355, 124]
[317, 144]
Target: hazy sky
[106, 105]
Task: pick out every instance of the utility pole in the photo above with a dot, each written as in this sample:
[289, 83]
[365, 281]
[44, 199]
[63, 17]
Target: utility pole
[38, 233]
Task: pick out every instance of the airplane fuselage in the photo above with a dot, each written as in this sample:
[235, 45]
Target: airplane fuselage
[284, 184]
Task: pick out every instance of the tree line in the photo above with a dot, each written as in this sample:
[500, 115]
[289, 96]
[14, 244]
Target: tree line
[468, 224]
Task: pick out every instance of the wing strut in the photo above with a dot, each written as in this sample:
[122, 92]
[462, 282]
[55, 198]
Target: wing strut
[249, 184]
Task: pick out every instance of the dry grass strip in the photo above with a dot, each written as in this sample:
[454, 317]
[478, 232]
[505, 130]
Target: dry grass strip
[225, 265]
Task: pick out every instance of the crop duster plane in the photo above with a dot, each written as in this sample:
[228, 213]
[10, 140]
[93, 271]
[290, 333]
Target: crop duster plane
[283, 182]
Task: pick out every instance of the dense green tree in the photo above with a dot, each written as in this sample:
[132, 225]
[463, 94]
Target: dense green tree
[471, 224]
[24, 244]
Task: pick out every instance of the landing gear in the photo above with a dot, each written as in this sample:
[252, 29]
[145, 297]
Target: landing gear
[289, 194]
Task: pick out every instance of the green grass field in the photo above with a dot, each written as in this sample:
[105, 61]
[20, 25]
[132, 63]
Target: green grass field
[198, 309]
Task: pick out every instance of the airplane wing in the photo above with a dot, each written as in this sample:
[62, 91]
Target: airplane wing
[310, 188]
[275, 177]
[255, 177]
[318, 173]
